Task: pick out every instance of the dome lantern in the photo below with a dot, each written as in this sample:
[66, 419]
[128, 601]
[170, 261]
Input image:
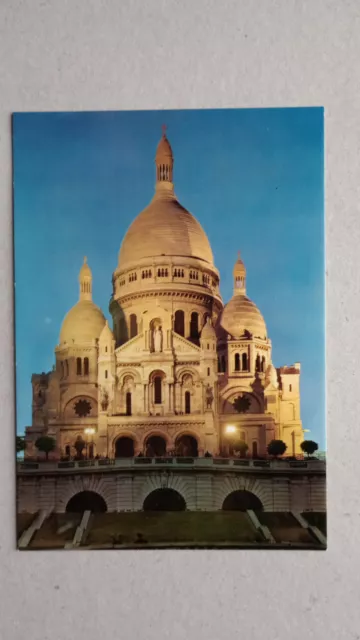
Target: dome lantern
[239, 274]
[85, 281]
[164, 161]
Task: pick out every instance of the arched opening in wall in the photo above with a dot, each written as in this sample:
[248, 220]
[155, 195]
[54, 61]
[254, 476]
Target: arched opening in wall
[254, 449]
[133, 326]
[187, 402]
[86, 501]
[67, 450]
[263, 363]
[155, 447]
[179, 323]
[128, 403]
[237, 362]
[223, 364]
[157, 390]
[242, 501]
[244, 362]
[187, 446]
[86, 366]
[124, 447]
[194, 327]
[257, 364]
[78, 366]
[164, 500]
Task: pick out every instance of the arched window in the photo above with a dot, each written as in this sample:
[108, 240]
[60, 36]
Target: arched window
[263, 363]
[194, 325]
[223, 364]
[208, 371]
[78, 366]
[66, 367]
[187, 402]
[237, 362]
[179, 325]
[157, 390]
[133, 326]
[257, 364]
[67, 450]
[86, 366]
[254, 449]
[128, 403]
[290, 387]
[244, 362]
[106, 373]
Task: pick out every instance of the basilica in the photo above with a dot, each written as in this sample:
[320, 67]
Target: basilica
[177, 372]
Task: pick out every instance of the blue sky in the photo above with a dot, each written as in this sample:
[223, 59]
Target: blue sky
[252, 177]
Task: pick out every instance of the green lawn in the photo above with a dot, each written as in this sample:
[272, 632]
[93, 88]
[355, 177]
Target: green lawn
[186, 527]
[49, 536]
[284, 527]
[316, 519]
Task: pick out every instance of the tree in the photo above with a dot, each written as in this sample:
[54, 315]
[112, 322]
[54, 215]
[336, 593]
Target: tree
[242, 447]
[276, 448]
[242, 404]
[79, 446]
[309, 447]
[46, 444]
[20, 444]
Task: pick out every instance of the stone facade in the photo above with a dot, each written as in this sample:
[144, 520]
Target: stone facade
[177, 364]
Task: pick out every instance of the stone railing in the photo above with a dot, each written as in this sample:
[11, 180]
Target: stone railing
[240, 464]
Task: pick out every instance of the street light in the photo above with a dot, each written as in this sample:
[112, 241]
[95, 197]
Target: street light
[230, 429]
[89, 431]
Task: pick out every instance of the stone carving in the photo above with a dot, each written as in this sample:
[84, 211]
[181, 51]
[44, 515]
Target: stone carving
[158, 339]
[104, 400]
[209, 397]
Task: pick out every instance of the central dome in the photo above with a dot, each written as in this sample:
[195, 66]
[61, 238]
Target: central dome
[164, 227]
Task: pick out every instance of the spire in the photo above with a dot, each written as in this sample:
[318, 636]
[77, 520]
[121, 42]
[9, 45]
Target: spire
[85, 281]
[164, 165]
[239, 274]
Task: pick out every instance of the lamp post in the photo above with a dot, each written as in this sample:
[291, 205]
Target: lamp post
[89, 431]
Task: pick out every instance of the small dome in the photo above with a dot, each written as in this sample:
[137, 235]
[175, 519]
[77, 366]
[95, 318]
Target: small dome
[106, 334]
[83, 323]
[208, 331]
[240, 314]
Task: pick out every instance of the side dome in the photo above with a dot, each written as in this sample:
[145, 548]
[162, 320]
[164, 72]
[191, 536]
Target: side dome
[241, 315]
[164, 227]
[85, 321]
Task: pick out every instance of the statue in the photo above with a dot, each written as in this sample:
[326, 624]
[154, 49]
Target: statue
[209, 397]
[157, 339]
[104, 400]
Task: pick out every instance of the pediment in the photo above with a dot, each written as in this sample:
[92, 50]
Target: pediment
[184, 347]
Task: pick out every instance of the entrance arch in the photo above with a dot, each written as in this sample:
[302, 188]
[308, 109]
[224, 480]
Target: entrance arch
[124, 447]
[86, 501]
[242, 500]
[164, 500]
[186, 445]
[155, 447]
